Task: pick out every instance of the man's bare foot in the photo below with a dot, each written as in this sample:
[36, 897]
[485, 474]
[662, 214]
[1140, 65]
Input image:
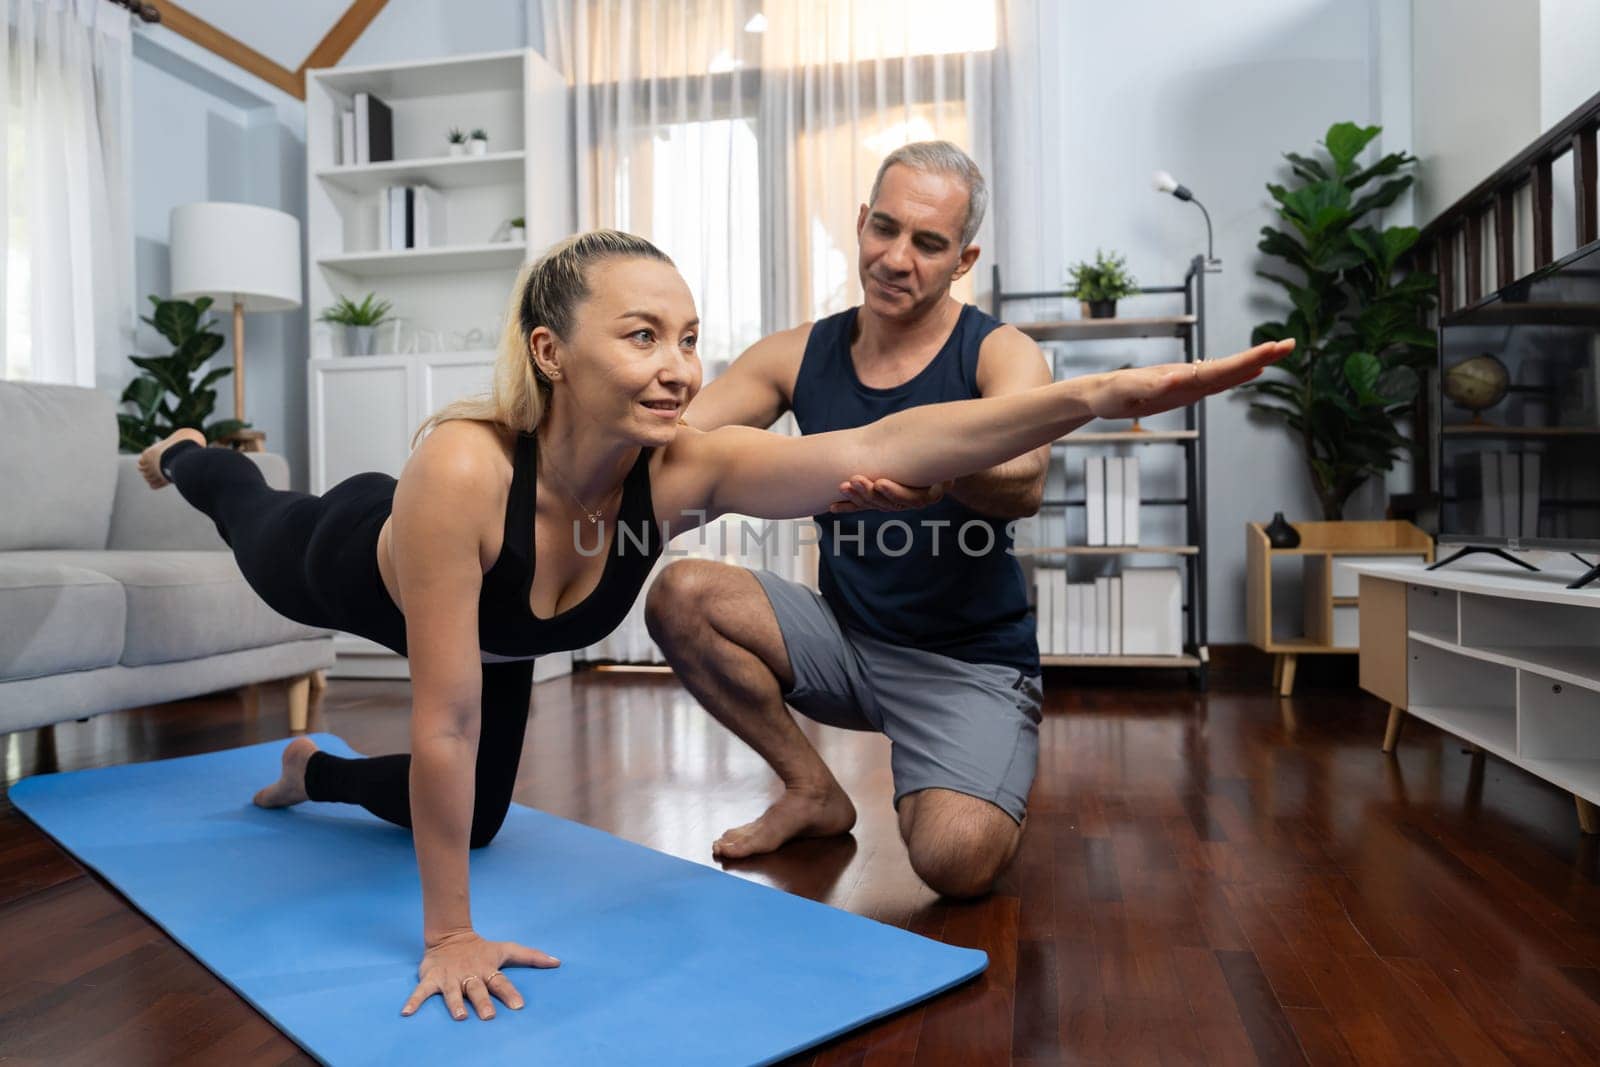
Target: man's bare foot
[150, 458]
[795, 814]
[291, 788]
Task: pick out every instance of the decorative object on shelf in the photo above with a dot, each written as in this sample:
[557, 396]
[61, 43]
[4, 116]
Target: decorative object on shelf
[360, 321]
[517, 232]
[457, 141]
[479, 142]
[206, 240]
[165, 395]
[1356, 318]
[1098, 285]
[1280, 534]
[1477, 384]
[1166, 183]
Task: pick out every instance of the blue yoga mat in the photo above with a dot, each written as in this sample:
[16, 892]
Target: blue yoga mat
[314, 915]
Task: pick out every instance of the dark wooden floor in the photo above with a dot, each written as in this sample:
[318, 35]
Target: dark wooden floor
[1226, 878]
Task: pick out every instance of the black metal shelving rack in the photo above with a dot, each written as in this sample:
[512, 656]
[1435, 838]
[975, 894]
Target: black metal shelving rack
[1190, 327]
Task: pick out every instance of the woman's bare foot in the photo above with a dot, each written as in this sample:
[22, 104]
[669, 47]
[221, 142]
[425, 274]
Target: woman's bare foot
[797, 813]
[291, 788]
[150, 458]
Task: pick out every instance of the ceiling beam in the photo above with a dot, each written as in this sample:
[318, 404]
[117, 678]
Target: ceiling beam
[233, 50]
[337, 41]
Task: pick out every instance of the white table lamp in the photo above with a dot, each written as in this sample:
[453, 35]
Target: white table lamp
[238, 253]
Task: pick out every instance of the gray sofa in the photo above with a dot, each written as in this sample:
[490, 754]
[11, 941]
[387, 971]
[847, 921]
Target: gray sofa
[113, 595]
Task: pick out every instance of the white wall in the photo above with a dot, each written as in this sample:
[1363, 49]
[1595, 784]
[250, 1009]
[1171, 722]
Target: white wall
[1214, 93]
[1475, 92]
[1569, 43]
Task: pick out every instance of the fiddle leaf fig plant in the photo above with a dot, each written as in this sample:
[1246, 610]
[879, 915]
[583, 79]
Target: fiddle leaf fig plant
[1355, 313]
[166, 396]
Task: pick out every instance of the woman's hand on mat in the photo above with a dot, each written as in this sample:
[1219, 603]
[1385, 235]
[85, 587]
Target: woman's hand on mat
[1139, 391]
[465, 968]
[862, 493]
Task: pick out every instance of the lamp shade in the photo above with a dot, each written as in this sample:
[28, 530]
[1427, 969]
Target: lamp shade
[235, 252]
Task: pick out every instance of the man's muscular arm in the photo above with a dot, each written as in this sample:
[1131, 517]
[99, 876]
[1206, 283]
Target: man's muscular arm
[1008, 362]
[755, 390]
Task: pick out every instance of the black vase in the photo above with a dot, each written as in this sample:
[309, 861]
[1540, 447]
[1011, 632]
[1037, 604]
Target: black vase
[1280, 534]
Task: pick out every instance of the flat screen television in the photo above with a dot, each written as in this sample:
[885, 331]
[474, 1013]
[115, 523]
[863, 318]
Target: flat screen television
[1518, 415]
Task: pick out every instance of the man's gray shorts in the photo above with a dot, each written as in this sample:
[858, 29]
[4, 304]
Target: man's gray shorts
[968, 727]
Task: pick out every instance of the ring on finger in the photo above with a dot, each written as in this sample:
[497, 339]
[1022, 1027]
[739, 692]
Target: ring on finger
[468, 978]
[492, 976]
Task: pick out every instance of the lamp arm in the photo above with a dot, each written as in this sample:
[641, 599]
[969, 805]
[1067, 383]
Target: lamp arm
[1209, 256]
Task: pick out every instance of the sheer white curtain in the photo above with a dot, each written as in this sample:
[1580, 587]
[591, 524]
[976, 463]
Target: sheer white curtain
[742, 136]
[68, 264]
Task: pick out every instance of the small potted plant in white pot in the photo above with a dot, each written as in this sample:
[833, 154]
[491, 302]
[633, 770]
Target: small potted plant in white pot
[479, 144]
[360, 321]
[458, 142]
[1097, 286]
[518, 231]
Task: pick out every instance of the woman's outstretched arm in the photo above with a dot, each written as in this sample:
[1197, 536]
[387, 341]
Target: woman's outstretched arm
[745, 471]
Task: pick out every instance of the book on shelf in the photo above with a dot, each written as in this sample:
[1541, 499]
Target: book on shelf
[1058, 609]
[1115, 628]
[1152, 611]
[1130, 500]
[1094, 493]
[347, 137]
[1113, 501]
[374, 129]
[414, 217]
[1102, 616]
[1074, 619]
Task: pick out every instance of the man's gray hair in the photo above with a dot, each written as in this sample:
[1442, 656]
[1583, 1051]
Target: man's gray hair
[942, 157]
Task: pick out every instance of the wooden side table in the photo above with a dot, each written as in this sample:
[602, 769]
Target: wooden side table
[245, 441]
[1331, 588]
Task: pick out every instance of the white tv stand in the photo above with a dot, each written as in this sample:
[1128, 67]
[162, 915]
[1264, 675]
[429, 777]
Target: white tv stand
[1506, 660]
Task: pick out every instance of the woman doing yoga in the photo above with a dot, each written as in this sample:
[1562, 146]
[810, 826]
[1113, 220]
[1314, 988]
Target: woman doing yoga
[579, 445]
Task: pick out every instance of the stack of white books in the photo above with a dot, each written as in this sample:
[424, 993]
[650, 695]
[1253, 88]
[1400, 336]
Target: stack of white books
[1111, 495]
[411, 216]
[1136, 613]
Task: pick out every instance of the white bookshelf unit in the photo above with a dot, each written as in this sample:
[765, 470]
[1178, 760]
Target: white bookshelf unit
[1509, 662]
[450, 298]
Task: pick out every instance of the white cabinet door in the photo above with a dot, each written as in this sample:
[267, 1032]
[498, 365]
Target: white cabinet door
[450, 376]
[361, 418]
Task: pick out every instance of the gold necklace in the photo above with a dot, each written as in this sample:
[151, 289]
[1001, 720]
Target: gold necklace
[593, 516]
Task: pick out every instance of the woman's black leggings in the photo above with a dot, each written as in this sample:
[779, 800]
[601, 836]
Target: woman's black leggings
[314, 559]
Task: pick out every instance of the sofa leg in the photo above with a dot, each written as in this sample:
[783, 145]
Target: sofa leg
[299, 703]
[319, 682]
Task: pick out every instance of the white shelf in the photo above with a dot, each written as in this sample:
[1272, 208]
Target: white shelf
[488, 72]
[1492, 729]
[1050, 660]
[1132, 437]
[1490, 578]
[1109, 550]
[441, 172]
[496, 256]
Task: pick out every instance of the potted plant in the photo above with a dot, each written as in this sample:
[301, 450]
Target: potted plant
[1098, 285]
[1356, 315]
[165, 397]
[360, 321]
[479, 144]
[518, 232]
[457, 141]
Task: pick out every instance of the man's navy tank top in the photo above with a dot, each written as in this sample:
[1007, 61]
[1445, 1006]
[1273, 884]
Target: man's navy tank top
[940, 578]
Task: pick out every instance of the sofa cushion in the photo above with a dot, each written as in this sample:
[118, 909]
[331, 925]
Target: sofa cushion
[185, 605]
[162, 519]
[56, 618]
[58, 469]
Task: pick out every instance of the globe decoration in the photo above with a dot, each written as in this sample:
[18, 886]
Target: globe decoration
[1477, 384]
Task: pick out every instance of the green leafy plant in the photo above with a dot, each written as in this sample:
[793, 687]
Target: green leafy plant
[166, 396]
[517, 221]
[455, 136]
[1356, 315]
[1106, 278]
[370, 312]
[480, 134]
